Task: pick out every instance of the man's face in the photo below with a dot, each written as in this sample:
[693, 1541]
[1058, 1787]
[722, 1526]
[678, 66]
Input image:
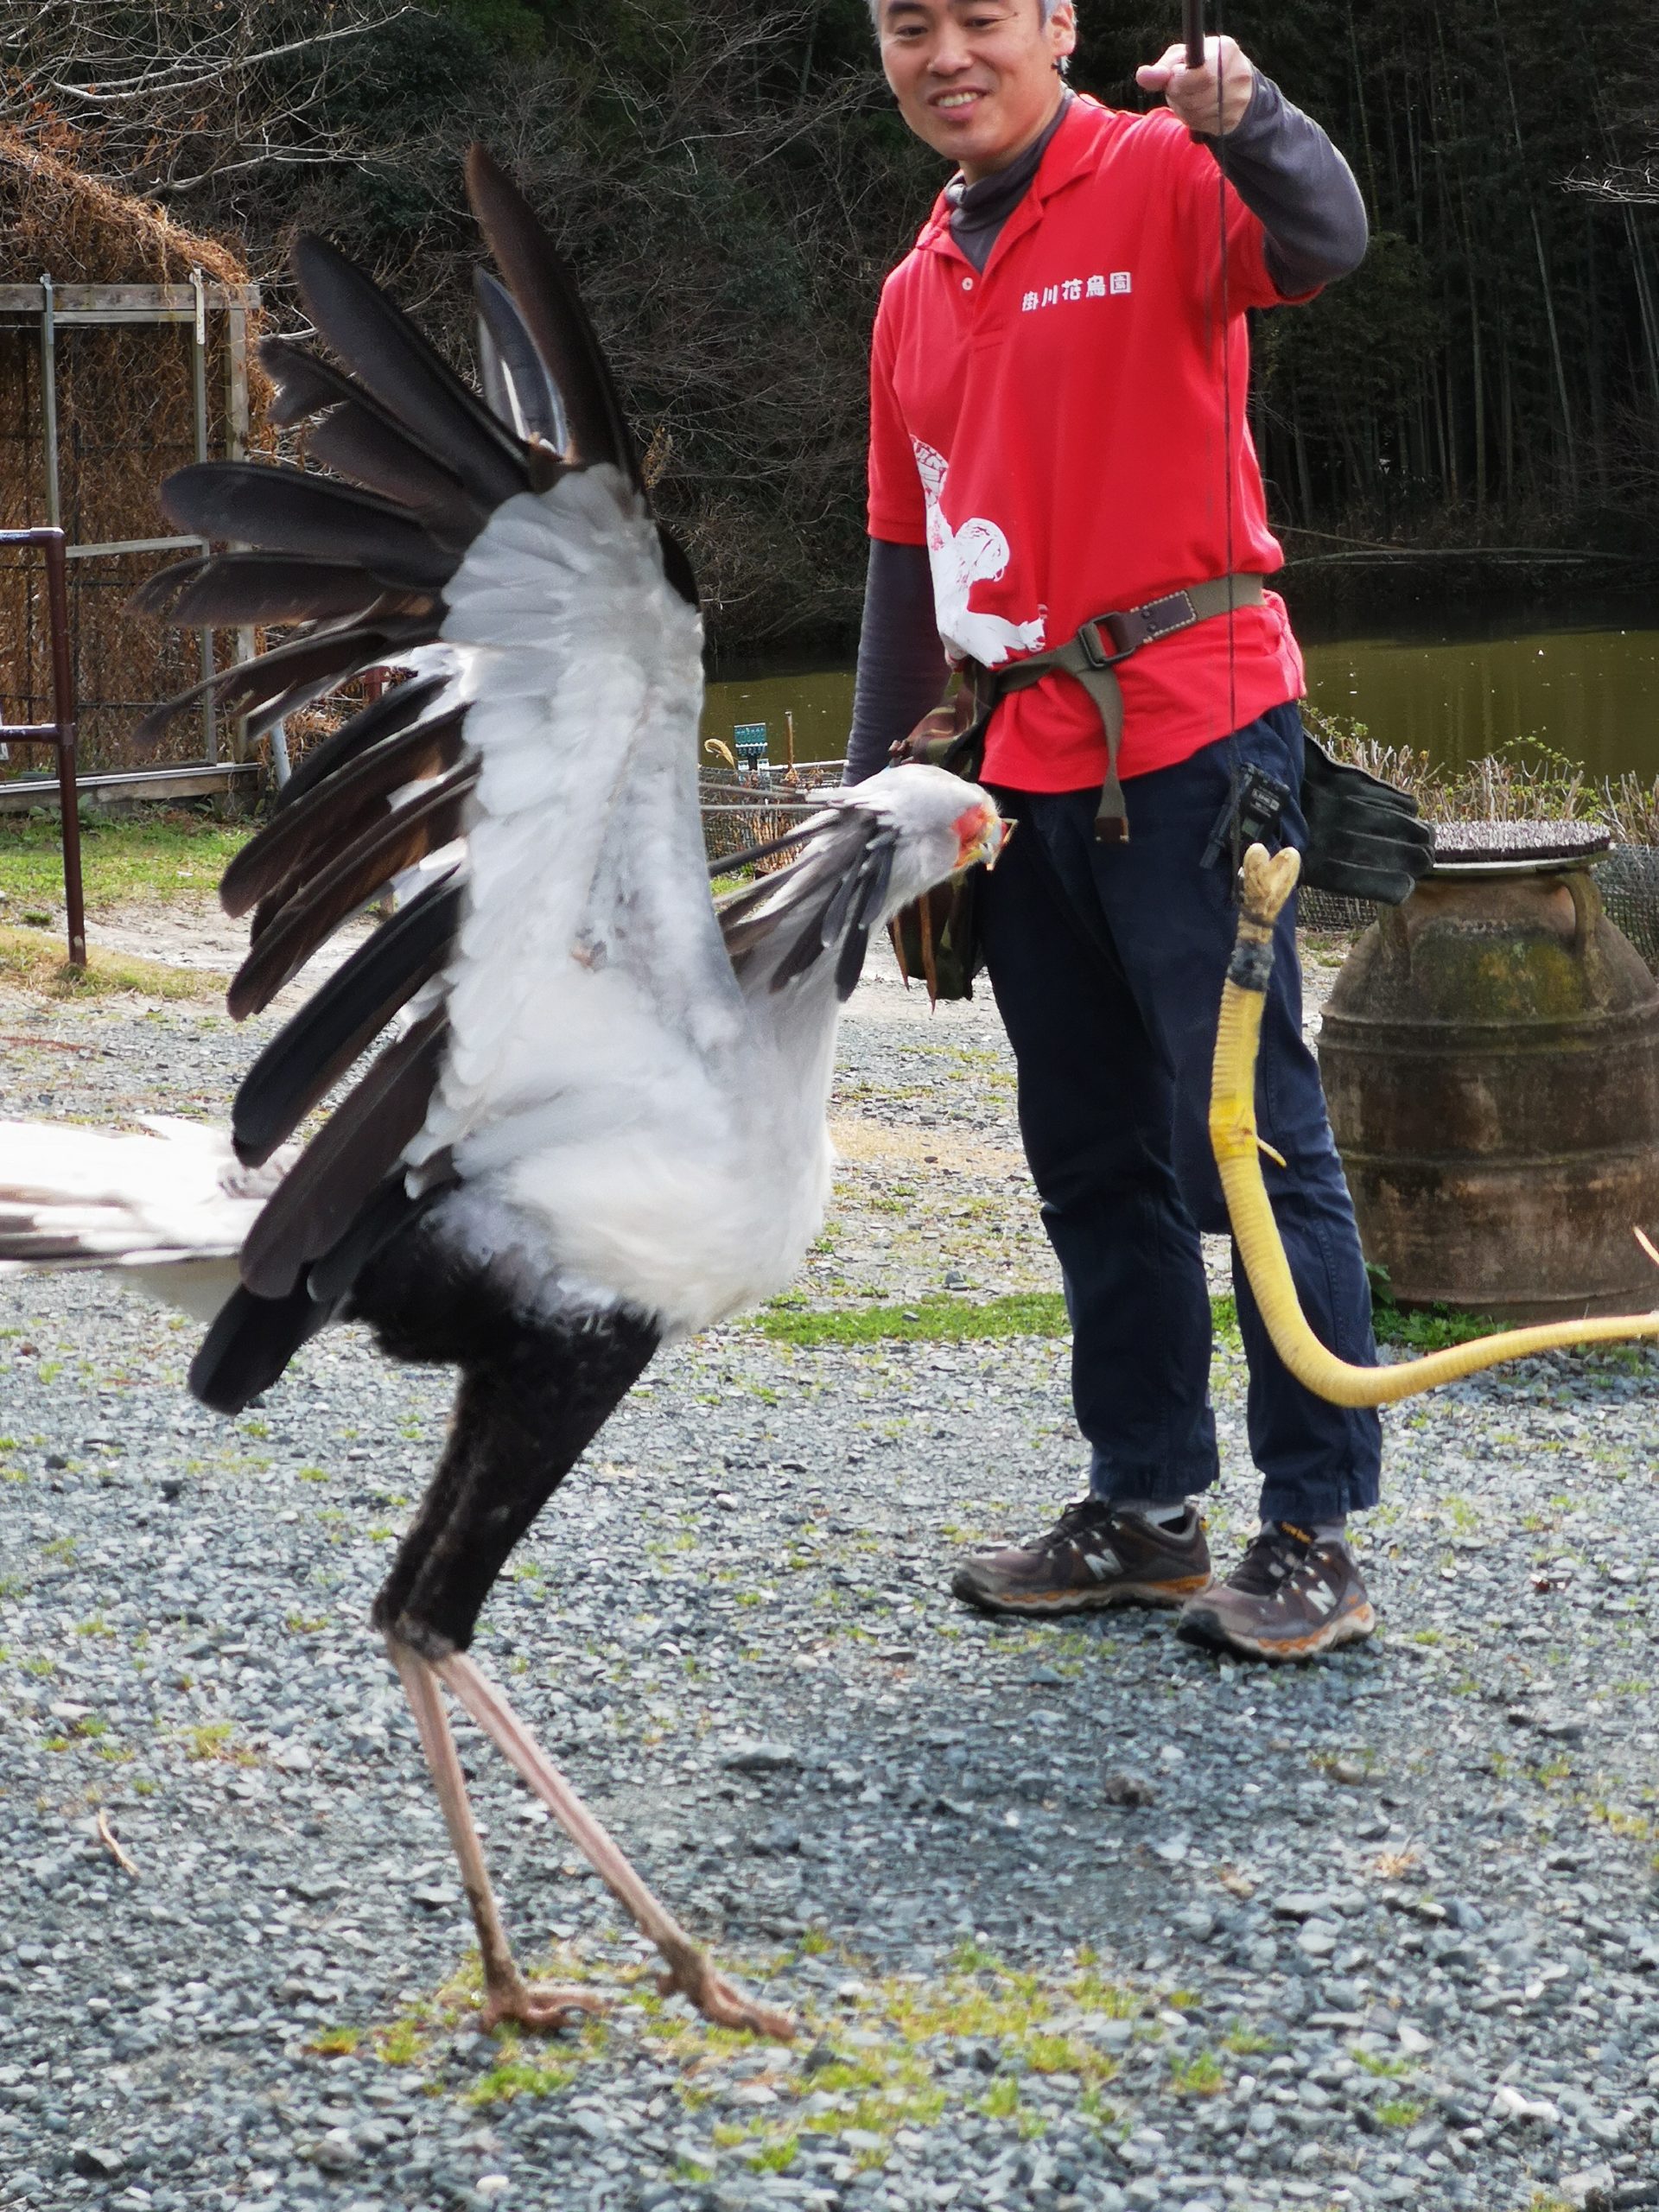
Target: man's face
[975, 78]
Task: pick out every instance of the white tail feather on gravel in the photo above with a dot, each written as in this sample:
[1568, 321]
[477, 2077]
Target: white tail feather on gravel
[168, 1208]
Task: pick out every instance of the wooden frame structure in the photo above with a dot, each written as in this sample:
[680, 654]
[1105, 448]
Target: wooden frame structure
[56, 307]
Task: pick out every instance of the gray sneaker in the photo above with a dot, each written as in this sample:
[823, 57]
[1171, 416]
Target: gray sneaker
[1290, 1597]
[1091, 1558]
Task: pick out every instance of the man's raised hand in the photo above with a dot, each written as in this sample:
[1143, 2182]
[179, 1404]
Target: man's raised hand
[1192, 93]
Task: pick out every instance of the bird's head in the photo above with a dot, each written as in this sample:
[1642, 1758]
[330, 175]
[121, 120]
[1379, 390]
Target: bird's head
[981, 831]
[945, 825]
[866, 850]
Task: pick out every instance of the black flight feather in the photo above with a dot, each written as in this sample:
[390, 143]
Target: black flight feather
[286, 703]
[850, 965]
[355, 442]
[314, 912]
[805, 952]
[313, 829]
[515, 375]
[42, 1248]
[320, 660]
[840, 901]
[343, 1167]
[308, 1056]
[250, 1344]
[393, 711]
[382, 346]
[545, 293]
[226, 587]
[305, 383]
[281, 511]
[391, 1210]
[676, 567]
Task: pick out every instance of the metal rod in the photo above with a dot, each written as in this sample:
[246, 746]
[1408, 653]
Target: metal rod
[50, 400]
[198, 405]
[1193, 32]
[63, 701]
[60, 731]
[109, 546]
[236, 446]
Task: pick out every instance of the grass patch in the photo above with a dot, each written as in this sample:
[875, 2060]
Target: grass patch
[168, 854]
[1399, 2112]
[1201, 2076]
[1433, 1328]
[401, 2044]
[34, 960]
[1247, 2043]
[1382, 2069]
[520, 2076]
[944, 1320]
[216, 1741]
[891, 2061]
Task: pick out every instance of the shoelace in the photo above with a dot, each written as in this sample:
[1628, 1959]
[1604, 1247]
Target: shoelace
[1077, 1519]
[1272, 1554]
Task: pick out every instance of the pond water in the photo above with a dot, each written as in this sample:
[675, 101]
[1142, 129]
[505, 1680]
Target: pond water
[1586, 685]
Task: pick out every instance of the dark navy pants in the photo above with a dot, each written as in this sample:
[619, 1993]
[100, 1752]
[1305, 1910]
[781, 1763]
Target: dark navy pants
[1108, 962]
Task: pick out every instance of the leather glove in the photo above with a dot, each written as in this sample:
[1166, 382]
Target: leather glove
[1365, 840]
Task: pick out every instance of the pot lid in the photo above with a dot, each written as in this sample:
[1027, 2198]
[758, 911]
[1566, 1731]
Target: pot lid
[1462, 847]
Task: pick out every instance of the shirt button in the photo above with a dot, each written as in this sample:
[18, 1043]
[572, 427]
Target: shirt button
[967, 283]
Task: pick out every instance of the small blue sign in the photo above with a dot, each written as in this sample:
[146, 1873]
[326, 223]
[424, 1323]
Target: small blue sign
[749, 743]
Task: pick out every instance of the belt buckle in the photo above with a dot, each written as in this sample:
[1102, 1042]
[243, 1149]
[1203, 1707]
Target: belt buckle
[1116, 628]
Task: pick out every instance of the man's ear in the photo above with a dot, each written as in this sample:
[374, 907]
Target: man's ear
[1062, 31]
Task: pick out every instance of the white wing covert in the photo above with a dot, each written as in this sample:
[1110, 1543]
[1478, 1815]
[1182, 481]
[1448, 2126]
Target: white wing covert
[595, 989]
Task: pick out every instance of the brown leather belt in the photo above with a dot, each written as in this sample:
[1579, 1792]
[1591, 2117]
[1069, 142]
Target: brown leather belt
[1092, 656]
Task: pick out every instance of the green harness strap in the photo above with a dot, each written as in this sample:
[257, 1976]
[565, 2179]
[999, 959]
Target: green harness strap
[1091, 658]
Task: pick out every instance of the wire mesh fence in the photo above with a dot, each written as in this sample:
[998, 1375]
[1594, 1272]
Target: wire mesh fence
[1627, 877]
[744, 807]
[125, 419]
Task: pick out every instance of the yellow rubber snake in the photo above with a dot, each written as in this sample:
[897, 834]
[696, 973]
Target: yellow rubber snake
[1266, 883]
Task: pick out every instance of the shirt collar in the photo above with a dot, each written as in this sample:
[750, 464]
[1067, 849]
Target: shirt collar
[987, 204]
[1063, 152]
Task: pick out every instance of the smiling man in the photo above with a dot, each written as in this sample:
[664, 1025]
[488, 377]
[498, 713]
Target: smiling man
[1061, 477]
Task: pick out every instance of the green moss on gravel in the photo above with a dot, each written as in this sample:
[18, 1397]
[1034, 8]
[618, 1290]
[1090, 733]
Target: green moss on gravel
[942, 1320]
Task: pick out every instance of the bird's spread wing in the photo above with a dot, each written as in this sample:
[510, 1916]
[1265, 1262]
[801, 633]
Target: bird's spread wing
[554, 959]
[831, 893]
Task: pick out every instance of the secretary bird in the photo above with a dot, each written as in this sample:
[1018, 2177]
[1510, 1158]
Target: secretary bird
[597, 1123]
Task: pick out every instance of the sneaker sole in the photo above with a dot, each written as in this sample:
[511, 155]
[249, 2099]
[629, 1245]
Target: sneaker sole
[1166, 1595]
[1348, 1628]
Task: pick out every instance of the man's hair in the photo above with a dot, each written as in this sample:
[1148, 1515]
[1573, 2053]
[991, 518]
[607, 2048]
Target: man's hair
[1045, 9]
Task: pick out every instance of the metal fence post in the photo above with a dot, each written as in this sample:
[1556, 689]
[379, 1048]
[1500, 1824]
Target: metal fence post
[63, 703]
[198, 407]
[49, 401]
[60, 731]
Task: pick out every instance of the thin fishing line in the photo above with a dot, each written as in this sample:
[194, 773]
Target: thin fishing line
[1235, 771]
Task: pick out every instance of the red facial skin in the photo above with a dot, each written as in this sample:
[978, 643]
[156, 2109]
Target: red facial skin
[980, 835]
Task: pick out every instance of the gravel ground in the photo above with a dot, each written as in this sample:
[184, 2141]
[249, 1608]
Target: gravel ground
[1074, 1916]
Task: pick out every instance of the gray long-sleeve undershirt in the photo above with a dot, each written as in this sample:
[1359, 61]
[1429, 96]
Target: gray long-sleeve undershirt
[1292, 179]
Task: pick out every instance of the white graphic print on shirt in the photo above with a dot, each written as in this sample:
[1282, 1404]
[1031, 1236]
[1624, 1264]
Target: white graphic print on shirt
[977, 553]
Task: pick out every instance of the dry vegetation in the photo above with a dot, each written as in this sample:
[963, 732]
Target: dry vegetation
[125, 420]
[1527, 782]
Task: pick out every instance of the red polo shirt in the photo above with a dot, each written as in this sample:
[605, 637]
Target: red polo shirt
[1060, 434]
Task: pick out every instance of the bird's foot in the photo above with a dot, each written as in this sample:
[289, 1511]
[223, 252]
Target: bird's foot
[690, 1976]
[542, 2006]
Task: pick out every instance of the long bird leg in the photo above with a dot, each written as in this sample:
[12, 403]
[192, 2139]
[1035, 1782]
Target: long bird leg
[534, 1394]
[507, 1995]
[689, 1971]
